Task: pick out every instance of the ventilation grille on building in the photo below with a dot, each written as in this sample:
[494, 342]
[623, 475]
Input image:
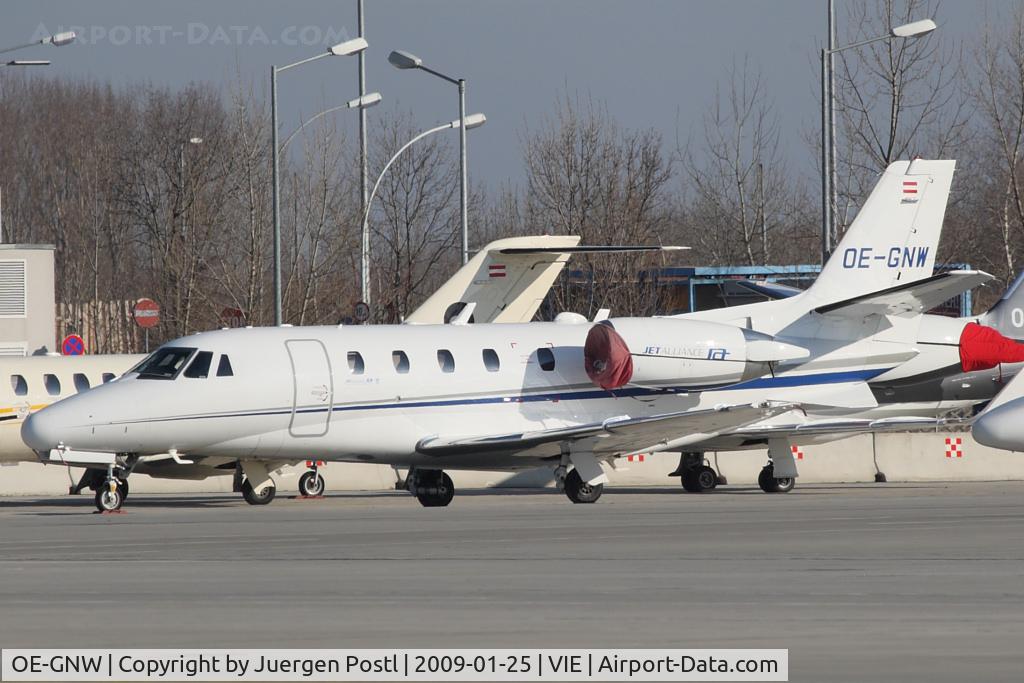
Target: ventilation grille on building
[12, 349]
[12, 289]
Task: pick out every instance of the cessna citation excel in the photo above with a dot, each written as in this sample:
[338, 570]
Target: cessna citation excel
[569, 394]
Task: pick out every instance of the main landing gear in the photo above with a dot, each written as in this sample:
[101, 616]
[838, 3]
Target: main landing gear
[311, 483]
[433, 488]
[769, 483]
[252, 478]
[695, 475]
[579, 491]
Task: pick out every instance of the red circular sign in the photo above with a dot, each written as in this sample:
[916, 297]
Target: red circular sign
[73, 345]
[146, 313]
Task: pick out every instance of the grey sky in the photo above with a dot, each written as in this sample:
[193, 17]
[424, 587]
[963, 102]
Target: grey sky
[648, 60]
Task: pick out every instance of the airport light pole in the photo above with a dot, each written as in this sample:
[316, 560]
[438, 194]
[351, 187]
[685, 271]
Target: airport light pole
[57, 40]
[349, 47]
[405, 60]
[828, 129]
[363, 103]
[463, 123]
[181, 177]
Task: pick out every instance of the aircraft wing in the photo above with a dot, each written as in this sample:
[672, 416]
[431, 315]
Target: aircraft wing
[615, 435]
[909, 299]
[845, 427]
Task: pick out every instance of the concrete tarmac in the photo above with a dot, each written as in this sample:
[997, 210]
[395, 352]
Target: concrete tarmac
[909, 582]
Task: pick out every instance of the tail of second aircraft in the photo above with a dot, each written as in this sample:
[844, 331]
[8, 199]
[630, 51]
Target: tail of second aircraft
[1007, 316]
[893, 239]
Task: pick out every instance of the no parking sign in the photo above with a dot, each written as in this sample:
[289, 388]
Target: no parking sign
[73, 345]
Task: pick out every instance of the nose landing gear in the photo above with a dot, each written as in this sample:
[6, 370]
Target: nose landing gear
[311, 483]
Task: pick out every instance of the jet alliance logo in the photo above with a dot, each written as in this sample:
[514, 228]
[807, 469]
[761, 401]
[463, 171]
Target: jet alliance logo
[894, 257]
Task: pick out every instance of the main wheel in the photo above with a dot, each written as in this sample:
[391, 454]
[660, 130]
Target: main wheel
[109, 501]
[769, 484]
[580, 491]
[311, 484]
[261, 497]
[689, 480]
[434, 491]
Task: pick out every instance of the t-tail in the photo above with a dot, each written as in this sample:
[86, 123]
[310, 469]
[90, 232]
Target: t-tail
[1007, 315]
[894, 237]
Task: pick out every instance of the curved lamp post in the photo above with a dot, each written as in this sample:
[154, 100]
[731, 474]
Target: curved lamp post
[349, 47]
[405, 60]
[471, 122]
[828, 124]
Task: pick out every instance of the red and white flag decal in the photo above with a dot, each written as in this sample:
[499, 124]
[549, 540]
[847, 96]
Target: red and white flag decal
[496, 270]
[910, 189]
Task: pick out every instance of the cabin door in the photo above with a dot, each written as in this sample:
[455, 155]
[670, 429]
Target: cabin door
[313, 387]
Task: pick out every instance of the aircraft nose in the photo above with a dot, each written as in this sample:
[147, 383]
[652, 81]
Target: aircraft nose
[40, 431]
[1001, 427]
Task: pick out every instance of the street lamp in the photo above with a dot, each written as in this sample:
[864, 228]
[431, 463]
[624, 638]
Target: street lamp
[57, 40]
[28, 62]
[365, 102]
[828, 130]
[349, 47]
[405, 60]
[471, 122]
[181, 177]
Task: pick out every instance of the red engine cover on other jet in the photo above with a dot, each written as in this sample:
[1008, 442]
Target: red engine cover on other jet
[606, 358]
[982, 347]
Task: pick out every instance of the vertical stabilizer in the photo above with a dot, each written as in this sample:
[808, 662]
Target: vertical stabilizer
[894, 237]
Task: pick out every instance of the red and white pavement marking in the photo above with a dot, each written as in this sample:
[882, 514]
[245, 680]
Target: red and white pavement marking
[954, 447]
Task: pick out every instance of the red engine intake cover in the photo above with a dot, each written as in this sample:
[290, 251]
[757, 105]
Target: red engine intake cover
[982, 347]
[606, 358]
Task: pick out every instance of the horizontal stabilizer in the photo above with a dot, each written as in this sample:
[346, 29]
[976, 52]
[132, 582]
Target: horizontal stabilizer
[909, 299]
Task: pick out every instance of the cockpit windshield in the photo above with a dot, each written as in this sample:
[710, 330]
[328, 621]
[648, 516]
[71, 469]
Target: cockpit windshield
[165, 363]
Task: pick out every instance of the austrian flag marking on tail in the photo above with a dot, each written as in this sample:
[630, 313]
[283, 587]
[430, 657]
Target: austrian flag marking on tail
[496, 270]
[954, 447]
[910, 191]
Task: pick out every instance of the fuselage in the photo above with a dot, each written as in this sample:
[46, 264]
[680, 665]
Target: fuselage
[372, 393]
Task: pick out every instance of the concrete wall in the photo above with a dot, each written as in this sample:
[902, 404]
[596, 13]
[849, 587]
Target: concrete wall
[902, 457]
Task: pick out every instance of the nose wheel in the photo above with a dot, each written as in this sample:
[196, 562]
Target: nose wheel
[311, 484]
[111, 496]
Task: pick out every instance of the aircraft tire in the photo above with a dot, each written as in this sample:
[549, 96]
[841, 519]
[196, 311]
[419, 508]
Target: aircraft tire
[579, 491]
[312, 484]
[262, 498]
[109, 501]
[689, 480]
[439, 490]
[769, 484]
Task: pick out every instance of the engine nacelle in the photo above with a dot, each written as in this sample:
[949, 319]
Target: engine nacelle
[672, 352]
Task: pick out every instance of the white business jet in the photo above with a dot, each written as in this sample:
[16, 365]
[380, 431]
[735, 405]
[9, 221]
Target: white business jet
[570, 394]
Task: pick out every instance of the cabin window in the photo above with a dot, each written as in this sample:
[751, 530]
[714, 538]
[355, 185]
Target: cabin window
[200, 367]
[546, 359]
[355, 363]
[445, 360]
[52, 384]
[224, 367]
[81, 382]
[401, 362]
[19, 385]
[491, 361]
[165, 363]
[108, 377]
